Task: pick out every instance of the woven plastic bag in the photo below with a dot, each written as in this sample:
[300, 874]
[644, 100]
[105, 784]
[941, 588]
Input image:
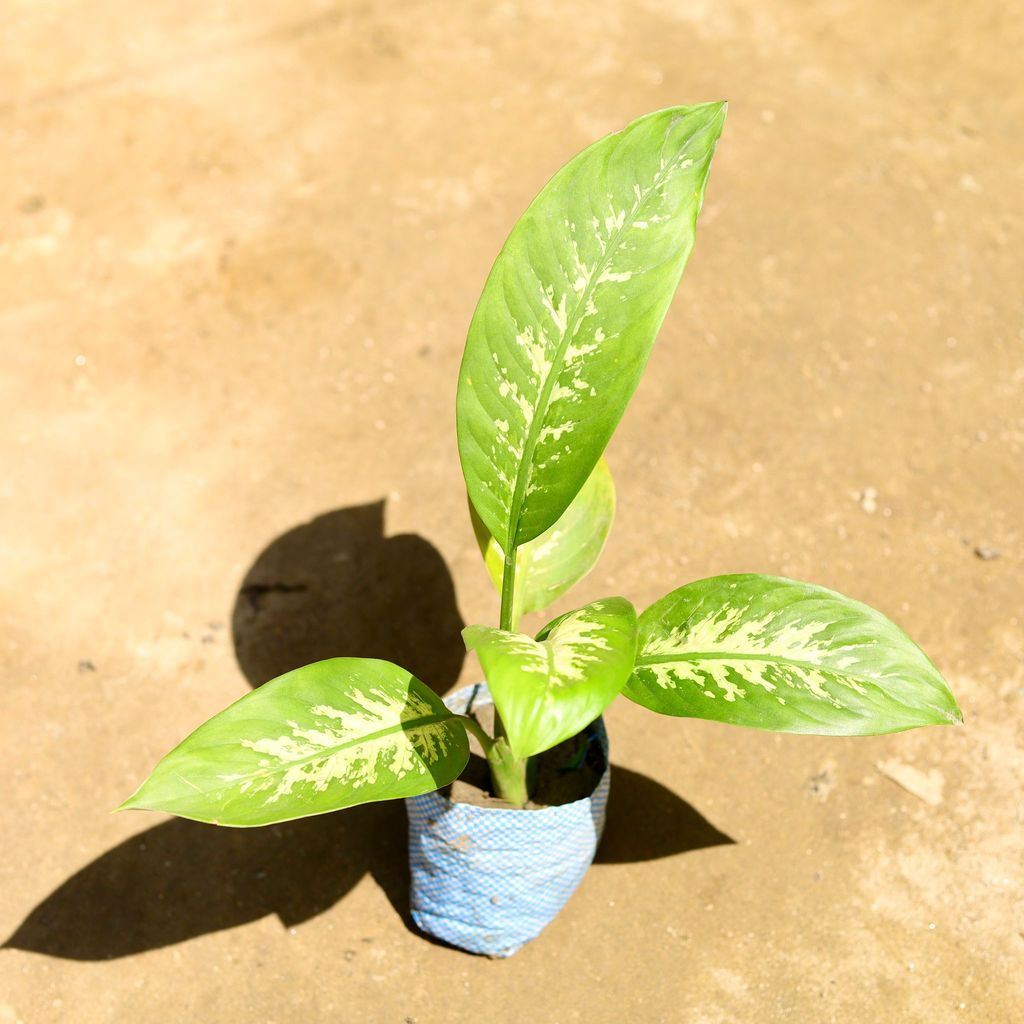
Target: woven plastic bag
[490, 879]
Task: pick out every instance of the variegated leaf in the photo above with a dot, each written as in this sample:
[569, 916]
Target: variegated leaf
[776, 654]
[569, 312]
[548, 565]
[332, 734]
[548, 689]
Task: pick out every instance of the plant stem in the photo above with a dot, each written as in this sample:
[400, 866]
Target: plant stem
[509, 774]
[508, 589]
[507, 622]
[474, 727]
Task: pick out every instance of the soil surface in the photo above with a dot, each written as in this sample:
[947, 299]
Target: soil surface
[240, 244]
[567, 772]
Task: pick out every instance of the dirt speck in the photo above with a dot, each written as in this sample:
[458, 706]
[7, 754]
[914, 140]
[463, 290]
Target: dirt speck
[822, 782]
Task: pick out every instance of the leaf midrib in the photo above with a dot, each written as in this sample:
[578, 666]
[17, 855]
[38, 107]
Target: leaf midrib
[658, 659]
[572, 325]
[326, 752]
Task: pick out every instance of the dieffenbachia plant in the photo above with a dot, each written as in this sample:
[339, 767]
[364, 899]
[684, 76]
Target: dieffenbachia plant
[559, 340]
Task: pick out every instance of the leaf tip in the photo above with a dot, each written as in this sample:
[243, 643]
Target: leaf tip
[948, 713]
[135, 802]
[715, 112]
[950, 710]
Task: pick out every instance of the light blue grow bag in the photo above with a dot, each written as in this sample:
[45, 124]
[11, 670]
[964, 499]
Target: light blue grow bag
[489, 879]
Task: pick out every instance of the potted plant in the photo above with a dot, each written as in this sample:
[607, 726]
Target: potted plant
[555, 350]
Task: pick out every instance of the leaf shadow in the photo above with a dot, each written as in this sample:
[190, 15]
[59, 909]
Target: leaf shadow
[335, 585]
[647, 821]
[182, 879]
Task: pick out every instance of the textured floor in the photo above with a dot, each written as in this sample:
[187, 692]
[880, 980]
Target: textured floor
[240, 244]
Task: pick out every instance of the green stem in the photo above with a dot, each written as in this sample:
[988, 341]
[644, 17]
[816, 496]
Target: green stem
[508, 589]
[474, 727]
[509, 774]
[507, 622]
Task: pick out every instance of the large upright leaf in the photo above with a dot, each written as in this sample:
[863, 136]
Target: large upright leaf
[569, 312]
[548, 689]
[776, 654]
[332, 734]
[548, 565]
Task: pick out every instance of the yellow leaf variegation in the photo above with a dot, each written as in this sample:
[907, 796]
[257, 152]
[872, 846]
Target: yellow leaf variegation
[773, 653]
[548, 689]
[332, 734]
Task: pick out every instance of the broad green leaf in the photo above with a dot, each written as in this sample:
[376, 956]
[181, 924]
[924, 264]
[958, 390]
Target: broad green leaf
[548, 689]
[569, 312]
[332, 734]
[776, 654]
[550, 564]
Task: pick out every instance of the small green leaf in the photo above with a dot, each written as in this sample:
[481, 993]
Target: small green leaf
[332, 734]
[548, 689]
[569, 313]
[548, 565]
[776, 654]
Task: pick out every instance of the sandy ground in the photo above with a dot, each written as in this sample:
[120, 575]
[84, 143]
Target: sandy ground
[240, 246]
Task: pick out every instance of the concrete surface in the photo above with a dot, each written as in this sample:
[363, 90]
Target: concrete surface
[240, 246]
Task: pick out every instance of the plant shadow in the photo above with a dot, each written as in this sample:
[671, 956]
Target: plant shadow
[647, 821]
[335, 585]
[182, 879]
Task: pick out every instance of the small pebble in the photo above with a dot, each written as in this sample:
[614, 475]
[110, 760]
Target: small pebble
[85, 665]
[32, 204]
[986, 554]
[926, 786]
